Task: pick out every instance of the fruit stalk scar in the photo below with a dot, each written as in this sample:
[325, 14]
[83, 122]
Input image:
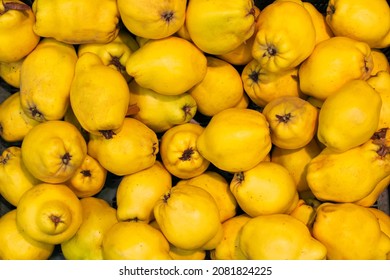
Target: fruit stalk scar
[379, 138]
[285, 118]
[14, 6]
[187, 154]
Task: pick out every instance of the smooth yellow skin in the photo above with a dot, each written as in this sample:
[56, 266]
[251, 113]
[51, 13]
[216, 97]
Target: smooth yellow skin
[137, 193]
[76, 22]
[228, 248]
[86, 244]
[268, 188]
[360, 20]
[16, 23]
[115, 53]
[242, 55]
[132, 149]
[380, 62]
[323, 31]
[292, 121]
[151, 19]
[188, 216]
[286, 28]
[89, 178]
[381, 83]
[279, 237]
[220, 89]
[348, 176]
[179, 153]
[296, 160]
[169, 66]
[373, 196]
[383, 219]
[216, 185]
[52, 151]
[345, 121]
[333, 63]
[15, 179]
[161, 112]
[44, 87]
[14, 122]
[218, 27]
[10, 72]
[226, 139]
[99, 95]
[263, 86]
[49, 213]
[17, 246]
[339, 228]
[134, 241]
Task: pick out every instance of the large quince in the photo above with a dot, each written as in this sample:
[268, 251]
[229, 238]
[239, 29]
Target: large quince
[279, 237]
[46, 76]
[17, 38]
[132, 149]
[151, 19]
[170, 65]
[218, 27]
[235, 139]
[345, 121]
[365, 21]
[339, 227]
[332, 63]
[285, 37]
[188, 216]
[52, 151]
[77, 22]
[351, 175]
[102, 113]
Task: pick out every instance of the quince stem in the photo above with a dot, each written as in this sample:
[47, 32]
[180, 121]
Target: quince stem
[379, 138]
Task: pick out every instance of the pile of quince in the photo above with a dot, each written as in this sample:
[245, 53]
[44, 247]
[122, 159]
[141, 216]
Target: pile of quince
[236, 132]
